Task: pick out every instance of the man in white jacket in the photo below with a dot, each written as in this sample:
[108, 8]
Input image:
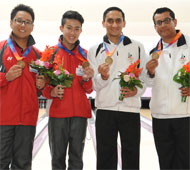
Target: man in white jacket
[114, 116]
[171, 116]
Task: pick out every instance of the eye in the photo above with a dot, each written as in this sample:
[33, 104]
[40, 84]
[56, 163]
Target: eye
[159, 22]
[118, 21]
[110, 21]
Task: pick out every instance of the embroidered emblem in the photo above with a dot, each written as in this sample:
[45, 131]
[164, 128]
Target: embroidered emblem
[182, 59]
[130, 58]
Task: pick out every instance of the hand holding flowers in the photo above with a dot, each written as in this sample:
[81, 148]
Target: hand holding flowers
[129, 80]
[59, 76]
[183, 77]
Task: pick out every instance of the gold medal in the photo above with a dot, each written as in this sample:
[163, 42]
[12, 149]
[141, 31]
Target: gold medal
[109, 60]
[21, 63]
[155, 56]
[85, 64]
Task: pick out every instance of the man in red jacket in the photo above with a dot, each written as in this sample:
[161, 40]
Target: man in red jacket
[68, 117]
[18, 93]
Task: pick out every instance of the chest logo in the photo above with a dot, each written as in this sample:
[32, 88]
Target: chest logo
[9, 58]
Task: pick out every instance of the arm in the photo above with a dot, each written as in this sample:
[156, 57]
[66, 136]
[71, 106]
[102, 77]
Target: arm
[101, 73]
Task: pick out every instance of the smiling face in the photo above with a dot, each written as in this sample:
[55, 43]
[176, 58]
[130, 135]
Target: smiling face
[22, 25]
[71, 32]
[165, 26]
[114, 24]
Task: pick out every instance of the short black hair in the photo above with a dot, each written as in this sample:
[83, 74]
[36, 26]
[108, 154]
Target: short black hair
[72, 15]
[113, 9]
[22, 7]
[162, 10]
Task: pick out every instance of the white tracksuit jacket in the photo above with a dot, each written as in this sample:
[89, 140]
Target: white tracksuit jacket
[166, 96]
[108, 91]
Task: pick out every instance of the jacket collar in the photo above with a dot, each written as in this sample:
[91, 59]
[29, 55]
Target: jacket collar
[126, 40]
[181, 41]
[76, 43]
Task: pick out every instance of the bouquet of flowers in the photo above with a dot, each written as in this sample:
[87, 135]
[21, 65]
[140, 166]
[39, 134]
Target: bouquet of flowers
[130, 78]
[183, 77]
[58, 75]
[43, 65]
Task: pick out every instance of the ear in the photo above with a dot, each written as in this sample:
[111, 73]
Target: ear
[175, 22]
[32, 27]
[11, 24]
[124, 23]
[103, 24]
[61, 28]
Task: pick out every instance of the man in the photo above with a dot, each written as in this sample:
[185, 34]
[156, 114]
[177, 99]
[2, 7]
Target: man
[114, 116]
[18, 94]
[171, 117]
[68, 117]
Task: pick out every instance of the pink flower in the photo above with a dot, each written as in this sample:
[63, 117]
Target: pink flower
[37, 62]
[57, 72]
[46, 65]
[131, 75]
[66, 72]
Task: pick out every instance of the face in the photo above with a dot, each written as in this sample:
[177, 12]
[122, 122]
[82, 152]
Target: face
[71, 32]
[165, 25]
[22, 24]
[114, 23]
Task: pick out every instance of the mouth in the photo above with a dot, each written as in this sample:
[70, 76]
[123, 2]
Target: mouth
[22, 31]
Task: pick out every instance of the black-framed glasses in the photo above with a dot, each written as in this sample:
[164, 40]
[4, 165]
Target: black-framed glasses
[19, 21]
[165, 21]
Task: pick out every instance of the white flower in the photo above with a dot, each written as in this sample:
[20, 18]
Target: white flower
[126, 78]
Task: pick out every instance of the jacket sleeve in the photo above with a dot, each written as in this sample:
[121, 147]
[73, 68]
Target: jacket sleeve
[3, 80]
[146, 78]
[142, 55]
[46, 92]
[86, 85]
[98, 82]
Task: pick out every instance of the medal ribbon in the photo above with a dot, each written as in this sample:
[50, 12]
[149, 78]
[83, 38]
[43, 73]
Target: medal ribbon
[16, 53]
[109, 54]
[178, 35]
[81, 51]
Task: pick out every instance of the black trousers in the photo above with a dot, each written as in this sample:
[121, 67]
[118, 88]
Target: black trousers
[172, 140]
[108, 125]
[67, 133]
[16, 144]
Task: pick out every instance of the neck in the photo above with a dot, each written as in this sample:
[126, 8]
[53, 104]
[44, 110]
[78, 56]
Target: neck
[169, 38]
[22, 42]
[69, 46]
[114, 39]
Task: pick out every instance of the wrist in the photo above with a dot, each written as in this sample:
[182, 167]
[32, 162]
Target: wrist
[104, 77]
[151, 75]
[6, 77]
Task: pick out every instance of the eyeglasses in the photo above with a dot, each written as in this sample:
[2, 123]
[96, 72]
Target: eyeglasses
[21, 22]
[165, 21]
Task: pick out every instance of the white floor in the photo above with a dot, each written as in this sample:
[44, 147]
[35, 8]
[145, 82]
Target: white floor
[148, 157]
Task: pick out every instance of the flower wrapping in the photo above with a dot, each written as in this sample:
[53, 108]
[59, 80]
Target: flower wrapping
[130, 78]
[183, 77]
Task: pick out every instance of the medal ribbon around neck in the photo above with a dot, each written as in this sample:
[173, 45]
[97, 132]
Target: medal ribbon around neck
[109, 54]
[18, 57]
[178, 35]
[81, 51]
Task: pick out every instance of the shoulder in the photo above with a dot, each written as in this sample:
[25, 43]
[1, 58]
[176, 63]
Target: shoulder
[36, 49]
[136, 43]
[96, 49]
[3, 43]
